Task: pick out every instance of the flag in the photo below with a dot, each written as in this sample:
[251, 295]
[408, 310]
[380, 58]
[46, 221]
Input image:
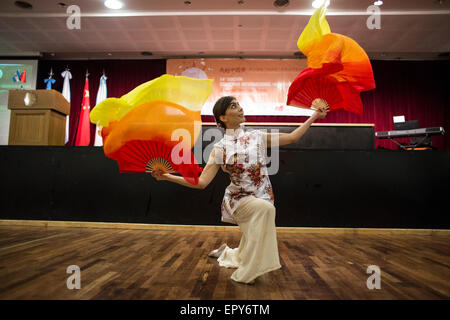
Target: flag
[66, 93]
[84, 126]
[16, 77]
[101, 95]
[23, 76]
[49, 82]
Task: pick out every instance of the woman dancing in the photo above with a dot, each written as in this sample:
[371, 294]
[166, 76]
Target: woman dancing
[248, 200]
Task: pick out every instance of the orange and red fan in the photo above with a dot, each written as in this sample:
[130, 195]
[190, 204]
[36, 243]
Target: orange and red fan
[338, 68]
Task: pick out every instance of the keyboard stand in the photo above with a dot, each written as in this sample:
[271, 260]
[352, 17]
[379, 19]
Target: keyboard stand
[414, 145]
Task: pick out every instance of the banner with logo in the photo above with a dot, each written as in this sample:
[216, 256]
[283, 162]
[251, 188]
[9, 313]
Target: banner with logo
[260, 85]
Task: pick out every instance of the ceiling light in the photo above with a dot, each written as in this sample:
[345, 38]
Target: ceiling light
[378, 3]
[280, 3]
[113, 4]
[318, 3]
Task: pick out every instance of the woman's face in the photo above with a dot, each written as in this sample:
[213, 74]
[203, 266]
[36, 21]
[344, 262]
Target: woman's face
[234, 115]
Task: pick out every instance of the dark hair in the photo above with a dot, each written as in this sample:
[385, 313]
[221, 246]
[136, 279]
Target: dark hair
[220, 107]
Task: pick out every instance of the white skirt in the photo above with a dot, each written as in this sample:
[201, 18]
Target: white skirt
[258, 249]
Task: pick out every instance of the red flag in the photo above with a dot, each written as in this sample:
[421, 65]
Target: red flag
[84, 125]
[23, 76]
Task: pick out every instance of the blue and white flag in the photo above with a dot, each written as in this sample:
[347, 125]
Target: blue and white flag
[66, 93]
[101, 95]
[16, 76]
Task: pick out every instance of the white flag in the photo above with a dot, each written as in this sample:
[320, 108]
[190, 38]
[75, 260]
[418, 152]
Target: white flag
[101, 95]
[66, 93]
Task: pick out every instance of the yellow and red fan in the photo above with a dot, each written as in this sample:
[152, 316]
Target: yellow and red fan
[157, 154]
[312, 84]
[309, 86]
[138, 129]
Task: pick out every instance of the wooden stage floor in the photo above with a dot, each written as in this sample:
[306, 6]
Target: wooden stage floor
[173, 264]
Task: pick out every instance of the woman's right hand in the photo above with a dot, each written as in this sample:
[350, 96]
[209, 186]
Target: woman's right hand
[320, 114]
[159, 175]
[321, 108]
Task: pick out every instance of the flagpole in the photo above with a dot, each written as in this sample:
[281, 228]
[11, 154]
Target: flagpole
[101, 95]
[66, 93]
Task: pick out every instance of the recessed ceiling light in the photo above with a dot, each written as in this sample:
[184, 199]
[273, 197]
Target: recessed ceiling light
[23, 5]
[378, 3]
[280, 3]
[318, 3]
[113, 4]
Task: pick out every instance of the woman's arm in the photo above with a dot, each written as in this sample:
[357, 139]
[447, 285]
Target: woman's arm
[281, 139]
[208, 173]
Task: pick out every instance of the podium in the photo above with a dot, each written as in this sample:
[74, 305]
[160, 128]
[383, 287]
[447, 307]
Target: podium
[38, 117]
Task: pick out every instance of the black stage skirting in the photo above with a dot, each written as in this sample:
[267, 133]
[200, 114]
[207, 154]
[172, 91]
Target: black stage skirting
[313, 188]
[325, 136]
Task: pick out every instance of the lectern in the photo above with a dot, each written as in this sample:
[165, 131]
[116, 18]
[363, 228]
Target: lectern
[38, 117]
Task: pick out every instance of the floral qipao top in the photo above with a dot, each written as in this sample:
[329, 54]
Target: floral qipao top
[242, 155]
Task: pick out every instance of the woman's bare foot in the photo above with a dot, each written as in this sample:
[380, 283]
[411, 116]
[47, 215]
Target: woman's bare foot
[217, 252]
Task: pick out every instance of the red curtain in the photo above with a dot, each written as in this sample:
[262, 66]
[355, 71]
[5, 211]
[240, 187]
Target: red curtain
[419, 90]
